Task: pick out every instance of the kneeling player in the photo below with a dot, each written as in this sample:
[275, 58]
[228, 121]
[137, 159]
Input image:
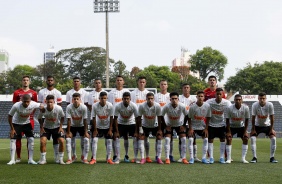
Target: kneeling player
[173, 110]
[76, 114]
[102, 119]
[198, 120]
[52, 125]
[150, 112]
[237, 118]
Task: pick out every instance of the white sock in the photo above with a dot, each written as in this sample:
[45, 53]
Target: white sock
[272, 146]
[94, 147]
[228, 151]
[126, 146]
[254, 146]
[135, 147]
[68, 147]
[109, 148]
[190, 147]
[113, 146]
[43, 156]
[222, 149]
[86, 148]
[30, 147]
[147, 146]
[61, 156]
[210, 148]
[195, 150]
[167, 147]
[205, 148]
[141, 147]
[56, 151]
[183, 147]
[82, 145]
[244, 151]
[159, 148]
[73, 146]
[117, 148]
[12, 148]
[171, 148]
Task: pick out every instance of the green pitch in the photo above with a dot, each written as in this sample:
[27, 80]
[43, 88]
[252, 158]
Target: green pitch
[51, 173]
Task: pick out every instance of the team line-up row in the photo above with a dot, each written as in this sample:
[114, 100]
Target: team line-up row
[138, 114]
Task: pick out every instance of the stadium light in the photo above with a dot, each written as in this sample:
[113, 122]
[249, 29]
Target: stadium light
[105, 6]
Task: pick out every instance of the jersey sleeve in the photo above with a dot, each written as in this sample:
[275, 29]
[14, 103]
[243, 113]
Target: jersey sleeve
[117, 107]
[135, 110]
[164, 111]
[61, 112]
[209, 114]
[254, 109]
[93, 112]
[13, 110]
[68, 111]
[68, 99]
[34, 96]
[40, 96]
[271, 109]
[111, 112]
[84, 112]
[140, 110]
[158, 110]
[247, 112]
[15, 99]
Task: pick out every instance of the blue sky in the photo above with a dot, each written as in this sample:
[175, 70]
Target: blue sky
[145, 31]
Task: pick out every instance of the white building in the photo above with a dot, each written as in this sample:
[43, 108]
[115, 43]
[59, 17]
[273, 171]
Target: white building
[4, 60]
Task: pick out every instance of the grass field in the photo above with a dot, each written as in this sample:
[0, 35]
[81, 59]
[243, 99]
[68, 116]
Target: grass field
[236, 172]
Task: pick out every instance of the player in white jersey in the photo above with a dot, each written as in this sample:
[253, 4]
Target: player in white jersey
[187, 100]
[102, 124]
[115, 96]
[173, 110]
[237, 120]
[198, 119]
[263, 122]
[217, 124]
[76, 114]
[149, 114]
[51, 90]
[77, 89]
[19, 120]
[138, 96]
[51, 125]
[94, 95]
[125, 117]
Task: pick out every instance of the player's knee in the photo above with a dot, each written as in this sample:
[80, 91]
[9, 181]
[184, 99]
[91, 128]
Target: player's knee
[61, 140]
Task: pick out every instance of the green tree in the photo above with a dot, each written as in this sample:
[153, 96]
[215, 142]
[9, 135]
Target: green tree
[254, 79]
[195, 84]
[208, 61]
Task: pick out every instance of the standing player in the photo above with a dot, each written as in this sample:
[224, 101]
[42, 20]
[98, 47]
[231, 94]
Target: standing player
[93, 96]
[76, 114]
[51, 90]
[16, 98]
[115, 96]
[173, 110]
[138, 96]
[188, 100]
[237, 119]
[102, 123]
[262, 122]
[163, 98]
[149, 114]
[217, 123]
[125, 117]
[83, 99]
[198, 113]
[211, 91]
[51, 125]
[19, 120]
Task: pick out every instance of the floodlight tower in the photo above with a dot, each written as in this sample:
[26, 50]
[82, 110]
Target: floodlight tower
[105, 6]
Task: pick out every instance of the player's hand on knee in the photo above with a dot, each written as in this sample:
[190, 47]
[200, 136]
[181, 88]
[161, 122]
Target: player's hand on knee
[159, 133]
[110, 133]
[190, 133]
[253, 133]
[12, 133]
[69, 135]
[61, 130]
[95, 133]
[116, 135]
[272, 132]
[168, 128]
[42, 131]
[206, 133]
[182, 129]
[86, 134]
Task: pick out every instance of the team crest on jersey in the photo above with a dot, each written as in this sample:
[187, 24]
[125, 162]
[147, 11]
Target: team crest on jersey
[203, 111]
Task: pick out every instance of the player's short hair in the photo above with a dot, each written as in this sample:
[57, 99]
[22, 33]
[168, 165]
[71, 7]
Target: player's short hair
[50, 76]
[149, 94]
[218, 89]
[76, 95]
[26, 97]
[119, 76]
[200, 92]
[76, 77]
[212, 77]
[185, 84]
[97, 79]
[25, 76]
[141, 77]
[173, 94]
[163, 80]
[50, 97]
[262, 94]
[103, 93]
[237, 95]
[125, 94]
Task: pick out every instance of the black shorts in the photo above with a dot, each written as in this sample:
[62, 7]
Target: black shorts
[125, 130]
[148, 130]
[54, 132]
[74, 131]
[239, 131]
[199, 133]
[26, 129]
[265, 130]
[217, 132]
[103, 133]
[177, 130]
